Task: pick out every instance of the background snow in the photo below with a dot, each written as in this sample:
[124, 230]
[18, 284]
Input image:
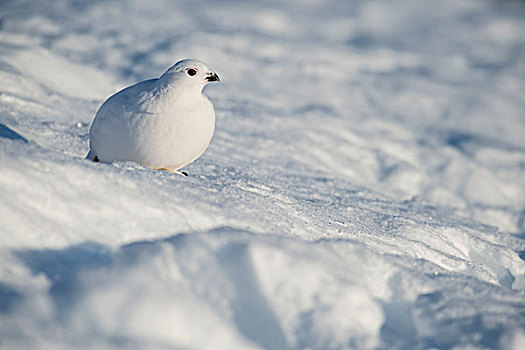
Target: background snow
[365, 187]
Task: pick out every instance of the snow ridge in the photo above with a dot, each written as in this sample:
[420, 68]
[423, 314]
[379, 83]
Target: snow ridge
[365, 187]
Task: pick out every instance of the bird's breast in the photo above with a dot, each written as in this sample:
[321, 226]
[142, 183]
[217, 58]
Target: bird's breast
[176, 138]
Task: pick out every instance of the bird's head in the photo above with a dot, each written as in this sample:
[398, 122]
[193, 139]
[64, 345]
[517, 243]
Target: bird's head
[191, 73]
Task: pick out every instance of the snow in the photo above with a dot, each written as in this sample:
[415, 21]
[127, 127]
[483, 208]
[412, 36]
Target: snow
[365, 187]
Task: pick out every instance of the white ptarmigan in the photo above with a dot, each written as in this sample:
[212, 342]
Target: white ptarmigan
[163, 123]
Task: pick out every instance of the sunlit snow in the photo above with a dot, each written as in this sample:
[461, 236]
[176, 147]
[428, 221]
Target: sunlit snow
[365, 186]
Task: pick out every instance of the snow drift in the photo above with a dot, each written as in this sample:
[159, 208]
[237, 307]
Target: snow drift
[365, 187]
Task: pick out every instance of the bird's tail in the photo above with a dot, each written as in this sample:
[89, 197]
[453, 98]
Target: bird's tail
[92, 156]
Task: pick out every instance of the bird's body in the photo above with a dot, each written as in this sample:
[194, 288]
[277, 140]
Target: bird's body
[163, 123]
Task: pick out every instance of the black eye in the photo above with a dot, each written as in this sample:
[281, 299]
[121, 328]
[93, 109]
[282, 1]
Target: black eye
[191, 72]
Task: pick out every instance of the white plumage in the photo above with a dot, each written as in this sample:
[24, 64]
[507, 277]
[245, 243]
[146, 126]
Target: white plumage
[163, 123]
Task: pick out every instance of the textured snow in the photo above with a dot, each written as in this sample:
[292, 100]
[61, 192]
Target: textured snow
[365, 187]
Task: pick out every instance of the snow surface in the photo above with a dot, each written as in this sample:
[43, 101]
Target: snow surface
[365, 187]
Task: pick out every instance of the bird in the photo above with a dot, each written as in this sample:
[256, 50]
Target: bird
[164, 123]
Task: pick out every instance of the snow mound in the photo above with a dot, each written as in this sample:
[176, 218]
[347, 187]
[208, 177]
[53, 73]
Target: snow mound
[365, 187]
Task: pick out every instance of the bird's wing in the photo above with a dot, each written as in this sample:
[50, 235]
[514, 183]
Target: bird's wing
[126, 100]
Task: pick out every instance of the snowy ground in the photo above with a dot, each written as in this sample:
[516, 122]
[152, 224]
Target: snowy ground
[365, 187]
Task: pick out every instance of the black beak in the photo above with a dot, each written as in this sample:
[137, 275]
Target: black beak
[213, 77]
